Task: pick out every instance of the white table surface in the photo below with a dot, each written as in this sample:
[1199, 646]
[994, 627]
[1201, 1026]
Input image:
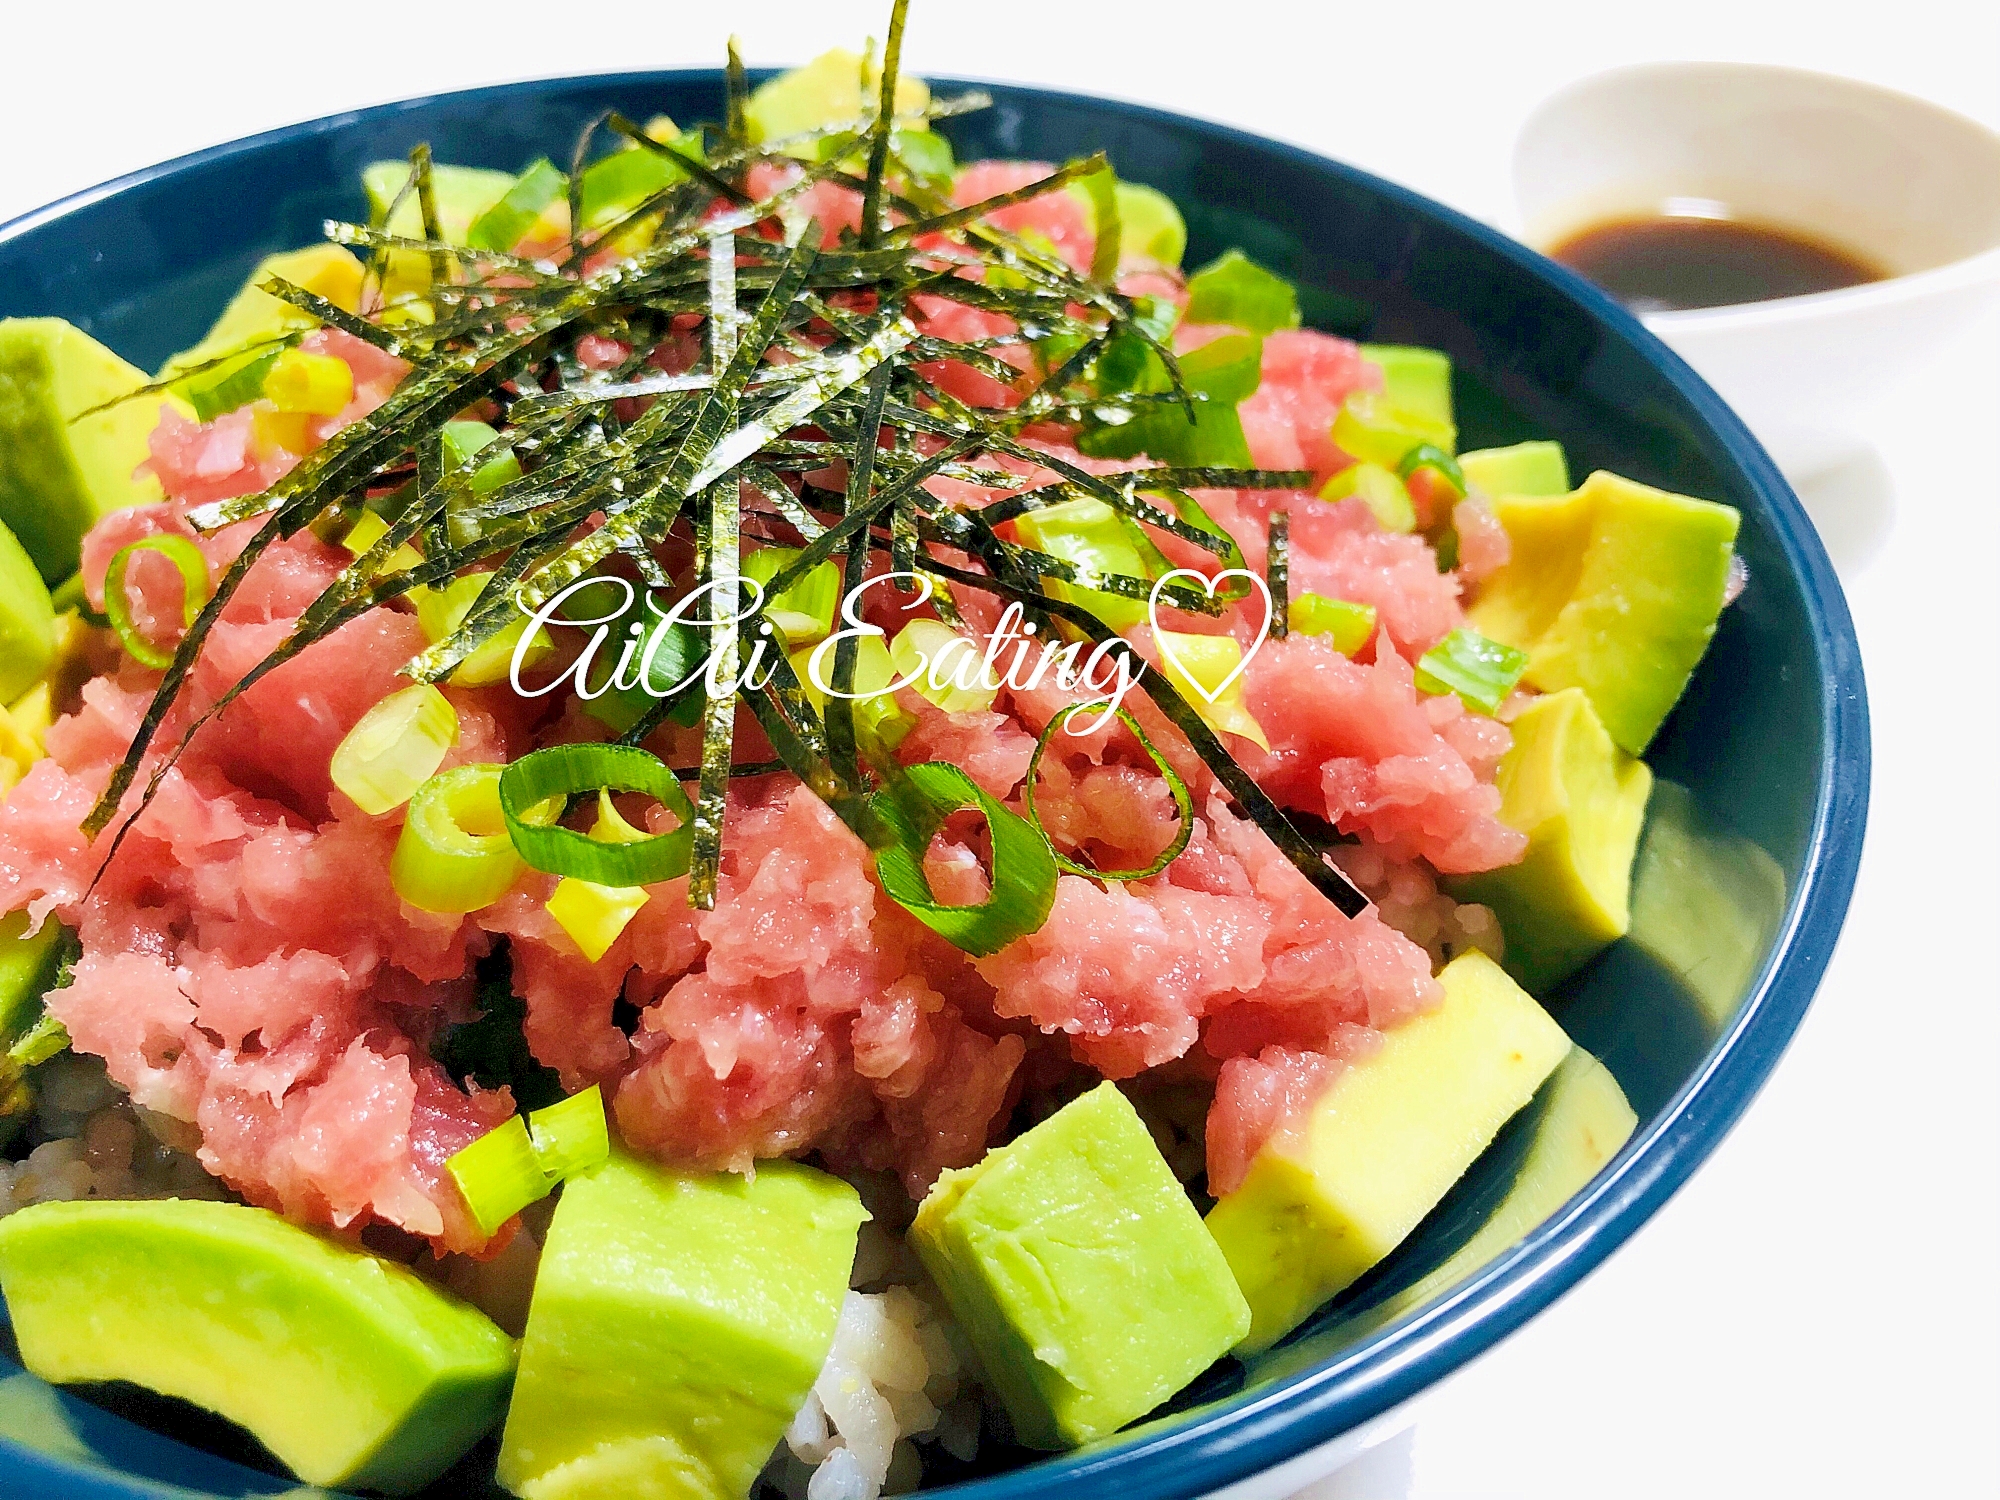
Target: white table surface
[1815, 1314]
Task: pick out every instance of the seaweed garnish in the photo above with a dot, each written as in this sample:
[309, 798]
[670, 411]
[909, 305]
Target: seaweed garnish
[491, 1049]
[1278, 572]
[812, 360]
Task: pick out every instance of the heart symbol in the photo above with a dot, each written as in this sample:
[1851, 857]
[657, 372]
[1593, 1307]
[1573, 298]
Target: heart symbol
[1209, 586]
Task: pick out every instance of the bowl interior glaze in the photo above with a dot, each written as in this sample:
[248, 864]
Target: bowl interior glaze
[1751, 851]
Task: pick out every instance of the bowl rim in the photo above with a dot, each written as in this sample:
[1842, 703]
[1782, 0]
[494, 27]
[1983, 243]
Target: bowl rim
[1239, 1436]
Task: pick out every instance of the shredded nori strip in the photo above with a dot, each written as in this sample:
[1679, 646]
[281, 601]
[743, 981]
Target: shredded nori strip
[812, 360]
[1278, 572]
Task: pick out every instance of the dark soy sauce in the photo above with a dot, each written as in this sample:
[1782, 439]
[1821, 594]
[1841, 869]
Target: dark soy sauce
[1671, 262]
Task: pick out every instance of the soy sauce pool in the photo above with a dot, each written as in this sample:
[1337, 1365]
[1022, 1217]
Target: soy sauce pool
[1668, 263]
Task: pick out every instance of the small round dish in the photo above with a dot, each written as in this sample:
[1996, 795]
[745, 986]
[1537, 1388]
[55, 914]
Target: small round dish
[1770, 747]
[1912, 187]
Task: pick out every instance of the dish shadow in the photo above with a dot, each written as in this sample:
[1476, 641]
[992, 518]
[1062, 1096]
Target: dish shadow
[1853, 506]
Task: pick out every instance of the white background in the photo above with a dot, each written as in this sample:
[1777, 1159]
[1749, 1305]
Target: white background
[1816, 1313]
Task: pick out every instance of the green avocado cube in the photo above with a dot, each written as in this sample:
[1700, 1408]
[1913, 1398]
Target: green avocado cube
[255, 317]
[677, 1324]
[835, 88]
[1614, 588]
[58, 476]
[461, 195]
[1415, 380]
[1384, 1143]
[1581, 801]
[27, 620]
[1081, 1272]
[350, 1369]
[1523, 469]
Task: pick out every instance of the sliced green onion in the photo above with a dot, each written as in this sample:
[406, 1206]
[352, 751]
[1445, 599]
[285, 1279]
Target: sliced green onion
[1183, 800]
[369, 530]
[440, 611]
[925, 154]
[1481, 671]
[1382, 491]
[184, 555]
[1415, 380]
[1428, 456]
[507, 222]
[227, 387]
[454, 854]
[465, 440]
[272, 431]
[947, 668]
[570, 1136]
[1221, 374]
[592, 914]
[1347, 626]
[1088, 534]
[611, 826]
[1128, 362]
[1206, 671]
[803, 613]
[395, 748]
[499, 1175]
[876, 711]
[1024, 866]
[562, 771]
[1234, 289]
[38, 1043]
[1372, 428]
[316, 384]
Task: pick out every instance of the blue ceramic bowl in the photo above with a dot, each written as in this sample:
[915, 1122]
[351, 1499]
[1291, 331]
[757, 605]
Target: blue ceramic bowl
[1751, 851]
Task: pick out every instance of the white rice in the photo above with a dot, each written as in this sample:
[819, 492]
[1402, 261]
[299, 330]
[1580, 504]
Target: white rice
[93, 1142]
[899, 1376]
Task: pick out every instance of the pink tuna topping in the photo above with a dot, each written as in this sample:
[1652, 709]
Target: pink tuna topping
[249, 969]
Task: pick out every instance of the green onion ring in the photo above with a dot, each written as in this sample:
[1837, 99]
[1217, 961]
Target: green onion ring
[565, 770]
[1430, 456]
[1024, 866]
[184, 555]
[1183, 800]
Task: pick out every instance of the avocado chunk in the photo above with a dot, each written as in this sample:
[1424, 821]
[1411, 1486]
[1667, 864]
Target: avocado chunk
[677, 1324]
[1387, 1139]
[1581, 801]
[350, 1369]
[1524, 469]
[1577, 1121]
[1150, 226]
[829, 91]
[1080, 1271]
[27, 620]
[1417, 381]
[1580, 1118]
[58, 476]
[255, 317]
[1614, 588]
[461, 194]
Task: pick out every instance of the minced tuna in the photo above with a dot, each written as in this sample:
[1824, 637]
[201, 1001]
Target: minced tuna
[249, 975]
